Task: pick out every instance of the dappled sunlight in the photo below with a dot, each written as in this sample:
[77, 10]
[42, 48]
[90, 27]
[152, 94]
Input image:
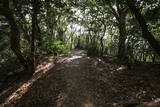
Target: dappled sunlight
[76, 55]
[69, 59]
[121, 68]
[41, 70]
[60, 99]
[88, 103]
[157, 100]
[5, 91]
[46, 65]
[154, 103]
[79, 53]
[73, 58]
[82, 81]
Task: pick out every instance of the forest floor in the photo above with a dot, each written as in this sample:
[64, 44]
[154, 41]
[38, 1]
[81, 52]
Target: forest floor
[77, 80]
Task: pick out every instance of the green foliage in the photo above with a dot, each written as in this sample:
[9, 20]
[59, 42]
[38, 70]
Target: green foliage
[86, 22]
[9, 63]
[3, 46]
[25, 47]
[51, 46]
[59, 47]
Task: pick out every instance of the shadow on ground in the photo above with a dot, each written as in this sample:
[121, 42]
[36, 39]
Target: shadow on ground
[80, 81]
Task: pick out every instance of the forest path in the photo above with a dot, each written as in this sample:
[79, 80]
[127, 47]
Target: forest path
[81, 81]
[79, 74]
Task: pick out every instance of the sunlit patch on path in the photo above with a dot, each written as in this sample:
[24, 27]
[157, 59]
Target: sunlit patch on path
[77, 80]
[41, 70]
[73, 56]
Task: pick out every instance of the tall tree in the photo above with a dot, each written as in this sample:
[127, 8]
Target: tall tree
[120, 12]
[14, 33]
[28, 61]
[35, 11]
[145, 32]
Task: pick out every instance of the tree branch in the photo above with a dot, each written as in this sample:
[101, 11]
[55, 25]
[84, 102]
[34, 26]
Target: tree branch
[145, 32]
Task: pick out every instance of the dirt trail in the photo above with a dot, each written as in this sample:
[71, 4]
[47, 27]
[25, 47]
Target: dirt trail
[81, 81]
[80, 76]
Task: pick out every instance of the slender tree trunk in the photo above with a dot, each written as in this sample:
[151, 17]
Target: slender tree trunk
[15, 39]
[87, 40]
[145, 32]
[29, 64]
[33, 36]
[101, 40]
[39, 38]
[61, 34]
[14, 34]
[122, 35]
[120, 15]
[71, 47]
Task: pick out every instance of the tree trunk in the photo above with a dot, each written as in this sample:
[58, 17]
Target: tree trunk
[101, 40]
[145, 32]
[120, 15]
[14, 34]
[15, 40]
[61, 34]
[122, 35]
[28, 63]
[33, 36]
[39, 36]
